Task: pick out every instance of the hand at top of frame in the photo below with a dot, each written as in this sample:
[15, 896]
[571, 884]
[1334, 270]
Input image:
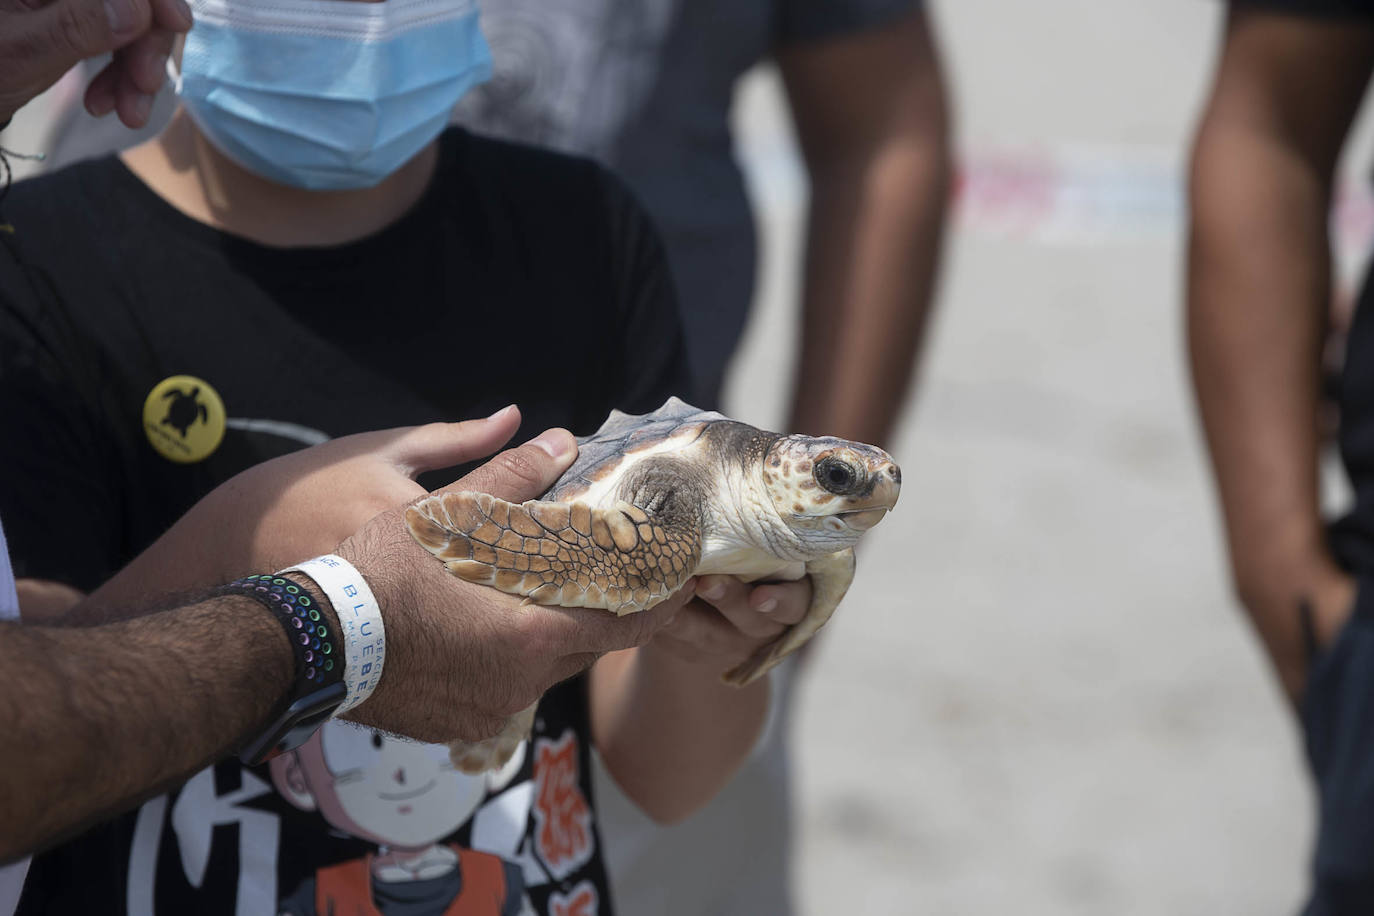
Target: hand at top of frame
[42, 39]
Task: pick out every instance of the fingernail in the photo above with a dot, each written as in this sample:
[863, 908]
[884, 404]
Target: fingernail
[502, 412]
[554, 442]
[184, 9]
[99, 107]
[713, 591]
[767, 606]
[143, 106]
[160, 73]
[120, 15]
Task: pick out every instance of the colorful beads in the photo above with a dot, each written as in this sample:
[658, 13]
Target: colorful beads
[300, 616]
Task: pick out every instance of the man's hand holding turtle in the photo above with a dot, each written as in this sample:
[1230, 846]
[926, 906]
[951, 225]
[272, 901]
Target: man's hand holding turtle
[462, 659]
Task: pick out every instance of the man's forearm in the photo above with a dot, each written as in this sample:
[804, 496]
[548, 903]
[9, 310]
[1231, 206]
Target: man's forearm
[873, 248]
[98, 718]
[670, 732]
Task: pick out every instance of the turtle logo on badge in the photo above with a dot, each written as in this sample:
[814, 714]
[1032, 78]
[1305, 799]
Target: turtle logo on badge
[183, 418]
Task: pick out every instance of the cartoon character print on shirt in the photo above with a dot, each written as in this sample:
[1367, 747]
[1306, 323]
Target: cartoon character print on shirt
[407, 798]
[357, 822]
[562, 815]
[581, 902]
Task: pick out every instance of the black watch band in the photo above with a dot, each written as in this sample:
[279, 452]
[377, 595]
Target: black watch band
[318, 687]
[294, 725]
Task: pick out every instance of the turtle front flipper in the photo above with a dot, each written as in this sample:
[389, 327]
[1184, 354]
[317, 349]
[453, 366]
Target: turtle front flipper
[569, 554]
[830, 578]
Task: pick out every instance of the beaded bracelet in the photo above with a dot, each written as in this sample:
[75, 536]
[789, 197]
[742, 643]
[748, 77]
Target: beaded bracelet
[318, 659]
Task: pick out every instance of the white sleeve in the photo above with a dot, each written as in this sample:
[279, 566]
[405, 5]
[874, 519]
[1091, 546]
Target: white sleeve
[9, 602]
[11, 876]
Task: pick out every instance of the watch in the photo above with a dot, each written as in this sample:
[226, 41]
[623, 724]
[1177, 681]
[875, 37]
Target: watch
[294, 725]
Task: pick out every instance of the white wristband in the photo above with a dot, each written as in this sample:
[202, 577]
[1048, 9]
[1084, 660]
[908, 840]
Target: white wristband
[360, 622]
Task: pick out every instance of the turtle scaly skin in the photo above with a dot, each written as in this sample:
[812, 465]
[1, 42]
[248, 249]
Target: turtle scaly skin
[655, 499]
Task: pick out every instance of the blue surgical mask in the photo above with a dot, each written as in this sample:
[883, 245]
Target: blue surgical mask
[328, 94]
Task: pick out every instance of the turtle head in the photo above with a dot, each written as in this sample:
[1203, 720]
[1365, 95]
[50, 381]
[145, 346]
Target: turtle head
[834, 487]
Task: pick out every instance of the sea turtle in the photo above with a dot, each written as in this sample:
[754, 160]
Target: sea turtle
[654, 499]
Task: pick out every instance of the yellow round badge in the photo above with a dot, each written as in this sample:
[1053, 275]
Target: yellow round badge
[183, 418]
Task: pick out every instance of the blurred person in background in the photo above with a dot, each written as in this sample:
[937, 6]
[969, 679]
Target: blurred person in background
[1291, 77]
[302, 253]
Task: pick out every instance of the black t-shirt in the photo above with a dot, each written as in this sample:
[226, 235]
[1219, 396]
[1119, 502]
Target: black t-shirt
[1315, 8]
[521, 275]
[1352, 536]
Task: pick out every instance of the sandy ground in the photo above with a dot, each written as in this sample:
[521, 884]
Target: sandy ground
[1039, 697]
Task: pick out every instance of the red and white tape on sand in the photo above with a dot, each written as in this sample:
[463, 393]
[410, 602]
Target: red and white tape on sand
[1086, 196]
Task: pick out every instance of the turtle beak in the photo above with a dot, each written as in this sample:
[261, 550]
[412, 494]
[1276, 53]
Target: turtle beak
[862, 519]
[887, 483]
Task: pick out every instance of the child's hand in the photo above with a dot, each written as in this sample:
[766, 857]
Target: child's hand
[729, 619]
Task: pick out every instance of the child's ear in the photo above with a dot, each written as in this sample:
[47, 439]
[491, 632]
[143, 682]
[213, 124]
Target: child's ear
[289, 777]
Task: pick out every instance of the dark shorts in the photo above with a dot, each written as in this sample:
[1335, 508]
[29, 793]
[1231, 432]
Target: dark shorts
[1338, 717]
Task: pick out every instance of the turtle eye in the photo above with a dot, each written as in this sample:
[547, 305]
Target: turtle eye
[837, 476]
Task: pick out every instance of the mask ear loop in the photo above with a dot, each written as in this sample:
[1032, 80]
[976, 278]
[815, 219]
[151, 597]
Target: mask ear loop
[7, 171]
[173, 75]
